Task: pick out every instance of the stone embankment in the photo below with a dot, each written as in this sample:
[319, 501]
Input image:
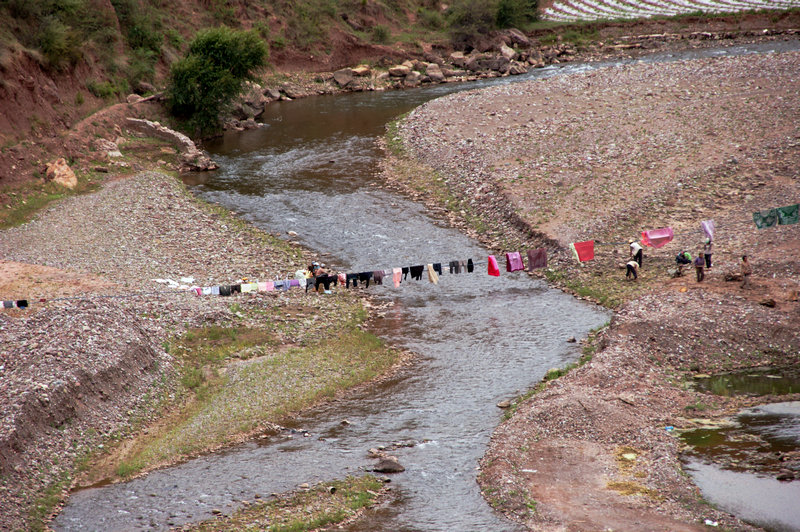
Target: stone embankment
[604, 155]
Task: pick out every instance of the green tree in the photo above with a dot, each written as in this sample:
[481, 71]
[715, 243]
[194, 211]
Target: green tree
[203, 84]
[516, 13]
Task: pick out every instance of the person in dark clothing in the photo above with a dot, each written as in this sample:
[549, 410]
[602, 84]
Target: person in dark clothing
[699, 265]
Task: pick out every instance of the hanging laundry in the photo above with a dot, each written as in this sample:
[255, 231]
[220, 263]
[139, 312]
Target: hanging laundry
[416, 272]
[225, 290]
[342, 278]
[262, 286]
[236, 289]
[351, 277]
[462, 265]
[405, 272]
[514, 262]
[470, 266]
[494, 270]
[432, 275]
[397, 275]
[197, 290]
[22, 303]
[278, 285]
[364, 277]
[657, 238]
[294, 282]
[8, 304]
[583, 251]
[537, 258]
[249, 287]
[437, 267]
[270, 286]
[377, 275]
[215, 290]
[708, 228]
[206, 290]
[454, 267]
[325, 281]
[789, 215]
[764, 219]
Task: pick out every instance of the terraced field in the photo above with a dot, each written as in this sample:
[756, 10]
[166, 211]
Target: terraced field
[588, 10]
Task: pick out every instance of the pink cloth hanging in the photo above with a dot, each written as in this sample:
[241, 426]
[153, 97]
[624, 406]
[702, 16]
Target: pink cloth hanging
[583, 250]
[708, 228]
[494, 270]
[657, 237]
[397, 274]
[537, 258]
[514, 262]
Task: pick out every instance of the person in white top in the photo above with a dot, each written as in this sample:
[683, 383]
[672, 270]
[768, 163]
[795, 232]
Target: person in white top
[636, 251]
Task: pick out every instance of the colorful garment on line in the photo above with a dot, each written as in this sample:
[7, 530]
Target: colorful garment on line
[432, 275]
[215, 290]
[789, 215]
[514, 262]
[708, 228]
[294, 282]
[249, 287]
[493, 269]
[206, 290]
[262, 286]
[583, 251]
[767, 218]
[657, 238]
[397, 276]
[537, 258]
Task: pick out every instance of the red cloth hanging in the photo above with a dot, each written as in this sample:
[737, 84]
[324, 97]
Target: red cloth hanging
[494, 270]
[514, 262]
[657, 237]
[537, 258]
[584, 250]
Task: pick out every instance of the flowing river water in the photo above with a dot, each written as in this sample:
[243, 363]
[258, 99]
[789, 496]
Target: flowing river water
[480, 340]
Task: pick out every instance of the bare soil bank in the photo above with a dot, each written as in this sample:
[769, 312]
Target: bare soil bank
[602, 156]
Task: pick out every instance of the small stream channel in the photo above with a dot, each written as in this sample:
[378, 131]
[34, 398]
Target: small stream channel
[312, 170]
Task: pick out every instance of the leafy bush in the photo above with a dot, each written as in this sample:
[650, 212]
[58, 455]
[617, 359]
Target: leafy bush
[470, 19]
[380, 34]
[60, 45]
[431, 18]
[516, 13]
[204, 83]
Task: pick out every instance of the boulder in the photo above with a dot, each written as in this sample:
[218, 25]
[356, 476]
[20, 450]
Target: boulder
[142, 87]
[343, 76]
[388, 465]
[362, 71]
[413, 79]
[408, 63]
[191, 157]
[767, 302]
[507, 52]
[458, 59]
[272, 94]
[294, 91]
[516, 68]
[434, 72]
[517, 37]
[60, 172]
[133, 98]
[399, 71]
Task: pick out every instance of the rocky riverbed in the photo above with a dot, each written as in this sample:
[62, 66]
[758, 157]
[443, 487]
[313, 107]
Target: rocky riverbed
[605, 155]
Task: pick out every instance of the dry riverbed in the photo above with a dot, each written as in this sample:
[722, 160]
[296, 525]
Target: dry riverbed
[98, 387]
[605, 155]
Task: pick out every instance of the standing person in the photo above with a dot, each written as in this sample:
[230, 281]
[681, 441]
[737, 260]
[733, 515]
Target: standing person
[747, 271]
[632, 268]
[699, 263]
[707, 252]
[636, 251]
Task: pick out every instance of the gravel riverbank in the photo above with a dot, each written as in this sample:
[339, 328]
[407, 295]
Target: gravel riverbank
[75, 373]
[604, 155]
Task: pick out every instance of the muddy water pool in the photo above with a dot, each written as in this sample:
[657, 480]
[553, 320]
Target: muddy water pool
[312, 170]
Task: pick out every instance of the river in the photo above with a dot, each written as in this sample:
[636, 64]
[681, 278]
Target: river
[480, 340]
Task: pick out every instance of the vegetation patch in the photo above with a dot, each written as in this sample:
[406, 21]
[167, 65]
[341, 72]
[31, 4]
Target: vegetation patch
[327, 504]
[25, 202]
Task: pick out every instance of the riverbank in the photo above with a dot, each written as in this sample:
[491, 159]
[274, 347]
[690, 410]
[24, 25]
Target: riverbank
[101, 387]
[604, 155]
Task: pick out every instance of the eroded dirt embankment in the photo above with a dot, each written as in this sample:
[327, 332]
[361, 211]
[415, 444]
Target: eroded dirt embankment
[605, 155]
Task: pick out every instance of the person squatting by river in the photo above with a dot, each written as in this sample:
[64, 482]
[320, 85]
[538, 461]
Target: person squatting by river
[682, 259]
[632, 268]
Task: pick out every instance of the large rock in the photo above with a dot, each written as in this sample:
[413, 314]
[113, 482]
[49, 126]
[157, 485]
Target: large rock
[272, 94]
[388, 465]
[507, 52]
[458, 59]
[60, 172]
[191, 157]
[517, 37]
[434, 72]
[399, 71]
[413, 79]
[362, 71]
[516, 68]
[343, 76]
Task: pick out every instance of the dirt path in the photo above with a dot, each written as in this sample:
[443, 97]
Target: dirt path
[605, 155]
